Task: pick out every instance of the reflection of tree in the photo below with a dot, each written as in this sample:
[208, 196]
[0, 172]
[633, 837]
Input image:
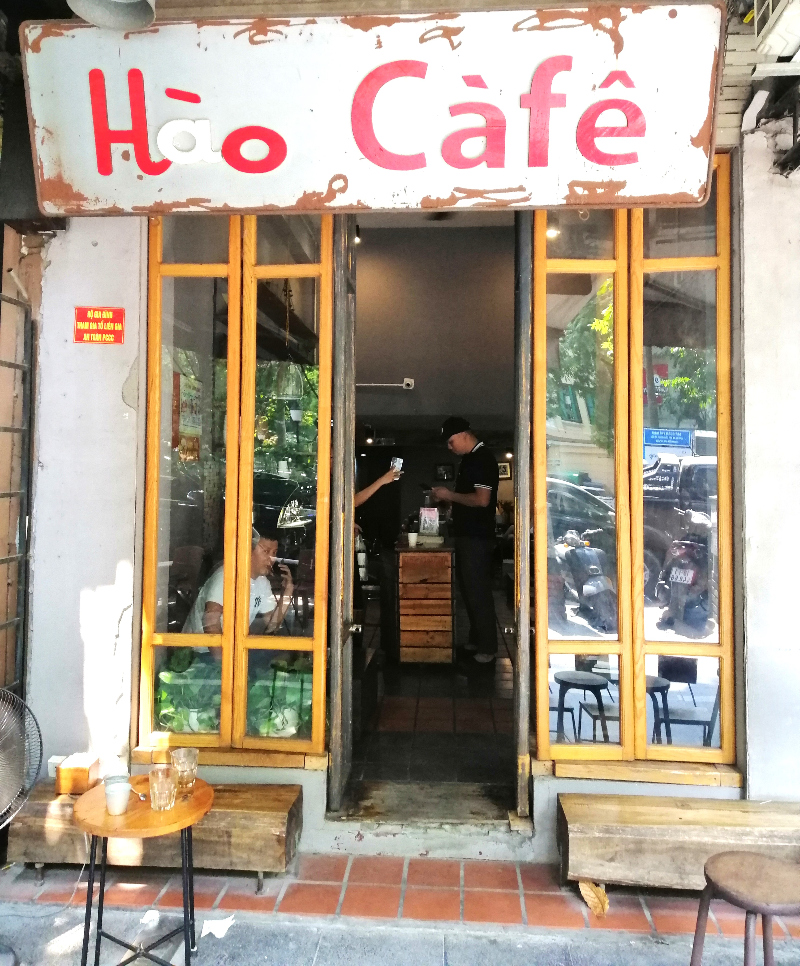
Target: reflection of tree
[586, 362]
[690, 393]
[277, 435]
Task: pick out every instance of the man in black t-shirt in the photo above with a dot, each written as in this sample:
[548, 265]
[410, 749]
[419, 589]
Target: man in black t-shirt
[474, 503]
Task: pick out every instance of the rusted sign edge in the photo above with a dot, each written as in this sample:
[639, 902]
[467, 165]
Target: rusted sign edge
[610, 198]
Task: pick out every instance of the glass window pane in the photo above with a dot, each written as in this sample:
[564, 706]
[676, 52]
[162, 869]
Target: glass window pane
[187, 689]
[677, 232]
[682, 700]
[195, 239]
[285, 459]
[581, 233]
[679, 379]
[288, 239]
[192, 455]
[279, 694]
[584, 698]
[581, 519]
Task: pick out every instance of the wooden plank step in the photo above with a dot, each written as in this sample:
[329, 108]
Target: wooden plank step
[252, 828]
[662, 842]
[426, 655]
[425, 592]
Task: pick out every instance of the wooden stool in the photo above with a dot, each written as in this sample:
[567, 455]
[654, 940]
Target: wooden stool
[140, 822]
[760, 885]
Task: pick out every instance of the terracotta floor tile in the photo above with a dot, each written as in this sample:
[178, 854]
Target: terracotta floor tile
[437, 725]
[625, 913]
[59, 890]
[206, 892]
[133, 895]
[376, 870]
[432, 904]
[676, 915]
[396, 725]
[373, 901]
[539, 878]
[436, 704]
[440, 873]
[490, 875]
[398, 704]
[18, 889]
[498, 907]
[247, 902]
[731, 921]
[474, 726]
[792, 925]
[555, 911]
[322, 868]
[311, 899]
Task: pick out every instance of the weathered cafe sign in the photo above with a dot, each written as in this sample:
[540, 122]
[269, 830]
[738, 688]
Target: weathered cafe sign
[598, 106]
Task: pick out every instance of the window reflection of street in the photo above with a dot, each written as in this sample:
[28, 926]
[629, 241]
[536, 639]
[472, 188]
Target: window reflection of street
[582, 531]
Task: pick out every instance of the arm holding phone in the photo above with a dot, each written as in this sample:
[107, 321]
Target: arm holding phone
[393, 474]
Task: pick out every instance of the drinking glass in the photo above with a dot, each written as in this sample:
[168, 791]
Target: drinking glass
[163, 785]
[184, 760]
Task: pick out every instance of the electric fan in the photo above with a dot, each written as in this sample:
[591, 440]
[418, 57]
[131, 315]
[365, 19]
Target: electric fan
[20, 761]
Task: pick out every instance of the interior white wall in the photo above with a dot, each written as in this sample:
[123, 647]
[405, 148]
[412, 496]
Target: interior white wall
[84, 492]
[771, 362]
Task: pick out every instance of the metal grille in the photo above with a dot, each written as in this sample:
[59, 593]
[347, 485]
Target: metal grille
[16, 360]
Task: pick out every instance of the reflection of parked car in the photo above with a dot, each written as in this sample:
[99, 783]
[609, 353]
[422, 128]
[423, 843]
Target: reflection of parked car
[285, 505]
[570, 507]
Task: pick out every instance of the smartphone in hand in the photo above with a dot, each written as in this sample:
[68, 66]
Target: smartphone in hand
[397, 463]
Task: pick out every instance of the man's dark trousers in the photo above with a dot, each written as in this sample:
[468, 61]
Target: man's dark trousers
[474, 573]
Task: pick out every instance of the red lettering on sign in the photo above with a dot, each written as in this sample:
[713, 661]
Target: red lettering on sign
[361, 115]
[494, 154]
[588, 131]
[232, 149]
[136, 135]
[540, 101]
[617, 76]
[178, 95]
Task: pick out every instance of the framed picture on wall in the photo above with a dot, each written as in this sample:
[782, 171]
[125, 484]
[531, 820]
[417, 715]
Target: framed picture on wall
[505, 471]
[444, 472]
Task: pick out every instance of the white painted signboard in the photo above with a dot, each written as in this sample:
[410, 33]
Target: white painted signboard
[591, 107]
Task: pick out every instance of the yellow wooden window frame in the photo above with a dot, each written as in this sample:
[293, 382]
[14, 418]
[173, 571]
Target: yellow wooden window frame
[631, 646]
[317, 643]
[640, 266]
[617, 267]
[242, 274]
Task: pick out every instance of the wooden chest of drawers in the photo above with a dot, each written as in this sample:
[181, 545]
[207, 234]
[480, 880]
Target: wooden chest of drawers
[425, 605]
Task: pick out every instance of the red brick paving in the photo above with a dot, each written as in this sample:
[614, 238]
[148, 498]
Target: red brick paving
[492, 892]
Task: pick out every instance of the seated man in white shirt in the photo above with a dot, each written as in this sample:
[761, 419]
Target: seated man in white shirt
[266, 612]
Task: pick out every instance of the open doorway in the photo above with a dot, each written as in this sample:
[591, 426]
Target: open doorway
[432, 737]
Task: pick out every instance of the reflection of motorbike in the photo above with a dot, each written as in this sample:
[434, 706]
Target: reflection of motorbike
[683, 585]
[588, 567]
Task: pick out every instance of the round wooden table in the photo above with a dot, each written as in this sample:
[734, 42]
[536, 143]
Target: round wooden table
[582, 681]
[141, 822]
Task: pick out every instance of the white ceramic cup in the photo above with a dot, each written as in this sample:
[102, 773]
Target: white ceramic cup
[412, 539]
[117, 796]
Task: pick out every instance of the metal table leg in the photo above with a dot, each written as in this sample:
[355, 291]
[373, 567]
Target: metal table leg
[562, 691]
[89, 896]
[603, 724]
[187, 939]
[103, 857]
[191, 888]
[665, 716]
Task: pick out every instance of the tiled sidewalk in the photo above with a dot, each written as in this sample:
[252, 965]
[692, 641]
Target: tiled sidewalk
[386, 888]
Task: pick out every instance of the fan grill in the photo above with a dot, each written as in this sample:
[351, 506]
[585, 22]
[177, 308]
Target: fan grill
[20, 754]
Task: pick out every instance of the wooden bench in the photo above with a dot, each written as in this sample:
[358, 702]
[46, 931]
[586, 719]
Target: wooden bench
[253, 828]
[639, 840]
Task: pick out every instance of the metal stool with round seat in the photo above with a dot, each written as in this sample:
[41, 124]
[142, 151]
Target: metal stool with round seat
[760, 885]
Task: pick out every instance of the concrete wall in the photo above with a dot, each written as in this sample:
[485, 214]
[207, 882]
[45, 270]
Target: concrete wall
[84, 499]
[771, 362]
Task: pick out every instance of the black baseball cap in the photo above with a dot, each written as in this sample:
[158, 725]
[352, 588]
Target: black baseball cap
[454, 425]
